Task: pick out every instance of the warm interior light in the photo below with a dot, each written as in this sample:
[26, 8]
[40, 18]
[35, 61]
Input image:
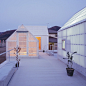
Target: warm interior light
[63, 44]
[27, 44]
[39, 38]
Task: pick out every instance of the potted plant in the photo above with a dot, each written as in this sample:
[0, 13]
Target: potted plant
[69, 68]
[17, 50]
[17, 64]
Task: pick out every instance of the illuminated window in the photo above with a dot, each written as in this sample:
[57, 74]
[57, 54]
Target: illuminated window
[63, 44]
[25, 40]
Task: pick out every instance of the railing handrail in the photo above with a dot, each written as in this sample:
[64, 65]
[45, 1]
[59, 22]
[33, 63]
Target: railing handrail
[6, 52]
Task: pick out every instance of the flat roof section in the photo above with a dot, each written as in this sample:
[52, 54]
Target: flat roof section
[45, 71]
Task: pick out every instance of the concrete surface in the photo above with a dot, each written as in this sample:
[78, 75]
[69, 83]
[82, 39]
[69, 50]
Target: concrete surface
[45, 71]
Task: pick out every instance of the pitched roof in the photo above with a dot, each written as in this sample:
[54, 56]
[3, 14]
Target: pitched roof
[38, 30]
[55, 28]
[77, 18]
[22, 28]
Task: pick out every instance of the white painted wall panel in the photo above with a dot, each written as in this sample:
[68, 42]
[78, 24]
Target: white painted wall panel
[85, 27]
[59, 40]
[59, 34]
[44, 42]
[38, 30]
[69, 40]
[71, 48]
[64, 54]
[82, 49]
[73, 29]
[69, 31]
[76, 59]
[82, 39]
[60, 46]
[68, 47]
[64, 33]
[78, 49]
[85, 61]
[77, 39]
[82, 61]
[81, 28]
[60, 52]
[74, 39]
[74, 48]
[63, 38]
[85, 39]
[76, 31]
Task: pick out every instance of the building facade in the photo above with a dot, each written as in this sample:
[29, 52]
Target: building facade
[71, 38]
[30, 39]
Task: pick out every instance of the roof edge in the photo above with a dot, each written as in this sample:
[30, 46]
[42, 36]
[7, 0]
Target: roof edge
[84, 20]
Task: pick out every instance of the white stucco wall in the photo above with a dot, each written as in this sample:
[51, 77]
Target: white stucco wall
[45, 42]
[75, 37]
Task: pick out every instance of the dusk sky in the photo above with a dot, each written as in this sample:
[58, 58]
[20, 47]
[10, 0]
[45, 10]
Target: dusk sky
[37, 12]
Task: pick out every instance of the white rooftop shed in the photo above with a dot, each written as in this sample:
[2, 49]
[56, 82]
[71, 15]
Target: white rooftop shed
[41, 33]
[72, 37]
[26, 38]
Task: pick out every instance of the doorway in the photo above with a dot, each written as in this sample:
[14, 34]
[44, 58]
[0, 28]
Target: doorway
[39, 38]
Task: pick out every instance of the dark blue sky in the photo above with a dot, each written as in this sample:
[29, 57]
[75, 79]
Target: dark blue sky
[37, 12]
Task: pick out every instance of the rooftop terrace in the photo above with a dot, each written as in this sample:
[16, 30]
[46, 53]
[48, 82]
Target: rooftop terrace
[45, 71]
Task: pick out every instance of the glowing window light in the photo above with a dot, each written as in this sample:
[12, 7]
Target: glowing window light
[22, 53]
[63, 44]
[28, 44]
[22, 34]
[22, 38]
[32, 44]
[22, 44]
[32, 50]
[11, 44]
[32, 54]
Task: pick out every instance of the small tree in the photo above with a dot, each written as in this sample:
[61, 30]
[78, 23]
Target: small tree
[17, 50]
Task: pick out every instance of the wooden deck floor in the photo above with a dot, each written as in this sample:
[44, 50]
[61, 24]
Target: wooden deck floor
[45, 71]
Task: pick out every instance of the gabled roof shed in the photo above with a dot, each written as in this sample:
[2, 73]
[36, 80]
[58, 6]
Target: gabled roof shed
[23, 38]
